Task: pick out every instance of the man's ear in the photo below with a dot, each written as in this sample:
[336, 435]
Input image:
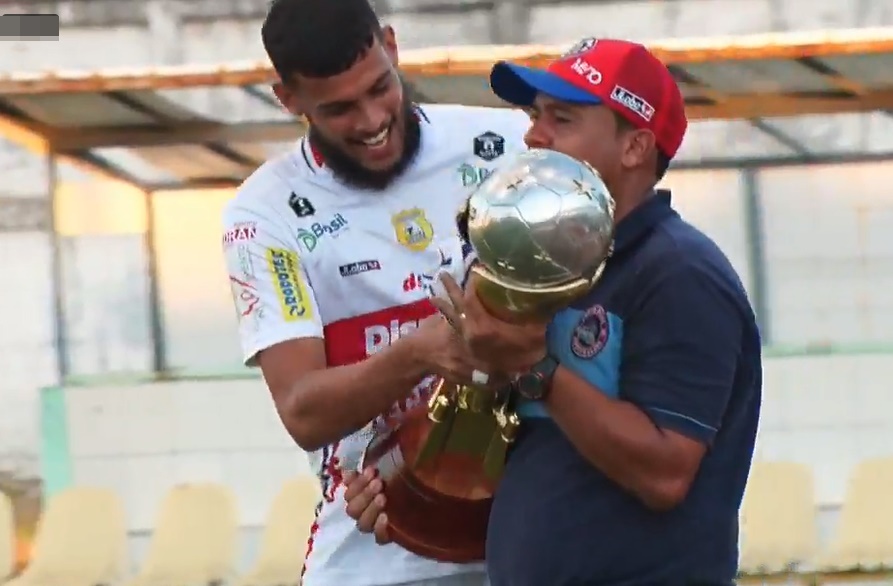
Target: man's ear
[638, 148]
[287, 98]
[389, 42]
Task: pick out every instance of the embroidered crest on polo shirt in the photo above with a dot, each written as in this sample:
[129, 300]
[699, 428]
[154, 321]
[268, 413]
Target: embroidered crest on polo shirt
[590, 336]
[633, 102]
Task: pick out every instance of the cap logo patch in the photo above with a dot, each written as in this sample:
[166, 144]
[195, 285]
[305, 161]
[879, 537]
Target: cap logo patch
[582, 68]
[631, 101]
[580, 48]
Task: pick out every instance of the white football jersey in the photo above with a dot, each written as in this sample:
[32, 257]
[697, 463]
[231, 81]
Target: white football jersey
[308, 256]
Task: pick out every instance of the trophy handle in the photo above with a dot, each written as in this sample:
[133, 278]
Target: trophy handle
[507, 423]
[442, 413]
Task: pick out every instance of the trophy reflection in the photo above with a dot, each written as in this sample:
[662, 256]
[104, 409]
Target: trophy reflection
[541, 228]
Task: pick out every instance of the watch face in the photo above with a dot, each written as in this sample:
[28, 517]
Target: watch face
[530, 386]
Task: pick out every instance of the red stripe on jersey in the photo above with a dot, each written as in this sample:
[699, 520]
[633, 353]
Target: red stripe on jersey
[350, 341]
[354, 339]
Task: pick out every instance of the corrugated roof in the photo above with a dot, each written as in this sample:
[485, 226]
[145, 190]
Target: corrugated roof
[212, 125]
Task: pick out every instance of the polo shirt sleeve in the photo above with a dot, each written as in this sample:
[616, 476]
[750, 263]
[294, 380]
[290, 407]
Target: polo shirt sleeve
[682, 347]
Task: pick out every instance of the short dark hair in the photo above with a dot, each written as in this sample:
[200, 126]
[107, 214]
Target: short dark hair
[663, 161]
[318, 38]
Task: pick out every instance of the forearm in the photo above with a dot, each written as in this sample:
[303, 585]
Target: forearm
[329, 404]
[616, 437]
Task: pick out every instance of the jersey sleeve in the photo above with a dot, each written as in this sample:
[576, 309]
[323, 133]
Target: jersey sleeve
[273, 297]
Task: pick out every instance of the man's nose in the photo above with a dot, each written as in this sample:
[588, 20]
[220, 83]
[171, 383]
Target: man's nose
[372, 119]
[537, 138]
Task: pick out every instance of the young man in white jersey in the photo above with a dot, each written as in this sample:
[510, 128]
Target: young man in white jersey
[328, 249]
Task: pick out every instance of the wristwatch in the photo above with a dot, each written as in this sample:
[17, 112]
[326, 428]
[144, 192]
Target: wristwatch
[535, 385]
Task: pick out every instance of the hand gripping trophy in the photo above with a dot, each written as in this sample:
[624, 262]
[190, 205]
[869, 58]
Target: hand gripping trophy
[541, 227]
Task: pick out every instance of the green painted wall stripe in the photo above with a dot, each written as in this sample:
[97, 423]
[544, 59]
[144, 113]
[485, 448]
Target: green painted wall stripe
[55, 456]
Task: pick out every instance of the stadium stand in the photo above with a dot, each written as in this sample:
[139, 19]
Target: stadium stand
[863, 540]
[778, 524]
[81, 541]
[194, 541]
[7, 538]
[82, 535]
[288, 525]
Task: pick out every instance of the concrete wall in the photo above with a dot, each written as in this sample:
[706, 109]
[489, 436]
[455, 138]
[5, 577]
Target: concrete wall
[829, 270]
[554, 22]
[829, 256]
[140, 440]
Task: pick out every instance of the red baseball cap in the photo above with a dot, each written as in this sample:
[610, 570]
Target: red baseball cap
[624, 76]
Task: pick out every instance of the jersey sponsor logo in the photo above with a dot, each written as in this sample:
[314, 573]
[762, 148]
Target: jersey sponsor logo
[633, 102]
[415, 281]
[246, 263]
[241, 232]
[413, 230]
[471, 175]
[354, 339]
[379, 337]
[245, 298]
[359, 267]
[290, 288]
[301, 206]
[309, 237]
[590, 335]
[489, 146]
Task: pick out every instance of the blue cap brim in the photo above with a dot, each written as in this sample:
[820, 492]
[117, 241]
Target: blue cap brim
[519, 85]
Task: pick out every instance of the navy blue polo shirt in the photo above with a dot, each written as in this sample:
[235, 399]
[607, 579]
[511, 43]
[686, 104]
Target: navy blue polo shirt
[670, 329]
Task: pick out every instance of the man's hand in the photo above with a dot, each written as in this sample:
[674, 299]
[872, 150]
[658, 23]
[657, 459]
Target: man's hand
[506, 347]
[446, 354]
[366, 503]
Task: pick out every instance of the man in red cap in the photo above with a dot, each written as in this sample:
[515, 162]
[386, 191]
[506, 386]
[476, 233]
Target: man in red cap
[640, 402]
[639, 106]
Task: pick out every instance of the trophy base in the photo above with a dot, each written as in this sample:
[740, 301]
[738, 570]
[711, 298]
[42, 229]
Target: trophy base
[437, 487]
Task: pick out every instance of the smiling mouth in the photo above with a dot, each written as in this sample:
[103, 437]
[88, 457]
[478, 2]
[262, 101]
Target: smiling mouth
[379, 140]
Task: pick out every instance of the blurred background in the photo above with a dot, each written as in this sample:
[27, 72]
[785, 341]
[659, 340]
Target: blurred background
[119, 360]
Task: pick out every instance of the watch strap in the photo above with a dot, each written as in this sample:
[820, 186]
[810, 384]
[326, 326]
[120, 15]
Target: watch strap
[540, 376]
[546, 368]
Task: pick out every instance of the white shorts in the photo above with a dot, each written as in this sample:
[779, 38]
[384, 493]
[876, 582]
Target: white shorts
[470, 579]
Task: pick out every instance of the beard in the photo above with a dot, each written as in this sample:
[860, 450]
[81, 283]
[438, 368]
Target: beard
[351, 172]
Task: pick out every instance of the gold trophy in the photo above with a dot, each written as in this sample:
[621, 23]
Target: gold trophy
[541, 227]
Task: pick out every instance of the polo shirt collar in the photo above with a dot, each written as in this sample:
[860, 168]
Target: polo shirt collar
[639, 222]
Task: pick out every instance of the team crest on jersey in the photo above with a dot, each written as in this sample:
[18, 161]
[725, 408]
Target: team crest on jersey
[591, 333]
[413, 230]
